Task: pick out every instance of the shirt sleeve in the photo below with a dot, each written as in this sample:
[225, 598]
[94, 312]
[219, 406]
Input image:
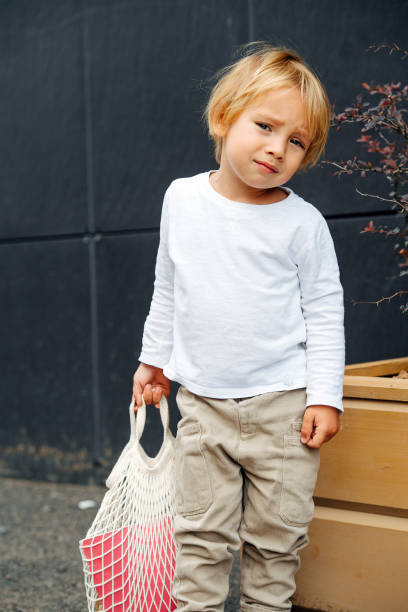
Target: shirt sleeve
[157, 341]
[322, 304]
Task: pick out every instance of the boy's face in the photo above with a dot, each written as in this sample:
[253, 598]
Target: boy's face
[273, 130]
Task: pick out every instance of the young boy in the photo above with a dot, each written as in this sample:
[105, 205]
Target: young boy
[247, 315]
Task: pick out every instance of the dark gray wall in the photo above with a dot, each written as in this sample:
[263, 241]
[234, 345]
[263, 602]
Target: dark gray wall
[100, 110]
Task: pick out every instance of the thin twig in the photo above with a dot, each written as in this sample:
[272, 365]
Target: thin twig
[393, 47]
[370, 195]
[354, 302]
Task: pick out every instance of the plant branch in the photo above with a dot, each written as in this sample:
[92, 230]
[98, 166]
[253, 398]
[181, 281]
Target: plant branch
[389, 298]
[371, 195]
[393, 200]
[393, 47]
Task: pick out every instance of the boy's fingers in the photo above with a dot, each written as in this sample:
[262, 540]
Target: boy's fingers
[137, 396]
[148, 395]
[138, 401]
[307, 428]
[151, 395]
[317, 439]
[157, 393]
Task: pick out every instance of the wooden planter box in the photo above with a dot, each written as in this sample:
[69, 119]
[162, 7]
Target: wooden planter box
[357, 559]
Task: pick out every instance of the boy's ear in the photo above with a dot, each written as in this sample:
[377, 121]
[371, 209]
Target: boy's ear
[220, 129]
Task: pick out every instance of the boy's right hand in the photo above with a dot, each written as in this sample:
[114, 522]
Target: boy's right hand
[151, 383]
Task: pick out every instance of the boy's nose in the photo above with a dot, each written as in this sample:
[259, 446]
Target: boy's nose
[277, 149]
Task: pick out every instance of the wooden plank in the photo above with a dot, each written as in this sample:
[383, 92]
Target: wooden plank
[376, 387]
[355, 561]
[377, 368]
[366, 461]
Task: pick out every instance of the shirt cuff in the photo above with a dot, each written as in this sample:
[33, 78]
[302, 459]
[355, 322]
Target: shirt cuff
[158, 360]
[324, 400]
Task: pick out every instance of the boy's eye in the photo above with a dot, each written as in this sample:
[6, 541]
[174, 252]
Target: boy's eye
[265, 127]
[298, 143]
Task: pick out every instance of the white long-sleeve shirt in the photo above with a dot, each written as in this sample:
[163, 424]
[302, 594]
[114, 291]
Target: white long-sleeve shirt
[247, 298]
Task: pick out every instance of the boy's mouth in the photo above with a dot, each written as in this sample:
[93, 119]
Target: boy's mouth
[268, 167]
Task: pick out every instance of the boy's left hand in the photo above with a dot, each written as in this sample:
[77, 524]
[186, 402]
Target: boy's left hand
[320, 423]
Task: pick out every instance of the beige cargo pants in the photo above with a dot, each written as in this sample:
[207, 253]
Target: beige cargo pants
[242, 473]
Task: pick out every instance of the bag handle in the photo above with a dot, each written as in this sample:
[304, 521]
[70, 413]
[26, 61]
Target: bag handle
[138, 419]
[136, 429]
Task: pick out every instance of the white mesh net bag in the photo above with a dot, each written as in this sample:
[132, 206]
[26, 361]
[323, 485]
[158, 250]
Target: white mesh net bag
[129, 552]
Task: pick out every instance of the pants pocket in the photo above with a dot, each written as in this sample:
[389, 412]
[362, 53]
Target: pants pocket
[299, 475]
[193, 486]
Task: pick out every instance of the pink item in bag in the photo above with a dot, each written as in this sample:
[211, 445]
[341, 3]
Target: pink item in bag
[109, 564]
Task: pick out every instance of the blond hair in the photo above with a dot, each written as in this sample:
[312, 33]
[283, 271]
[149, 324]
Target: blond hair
[262, 68]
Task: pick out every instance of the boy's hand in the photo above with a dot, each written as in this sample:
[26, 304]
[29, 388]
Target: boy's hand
[320, 423]
[150, 382]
